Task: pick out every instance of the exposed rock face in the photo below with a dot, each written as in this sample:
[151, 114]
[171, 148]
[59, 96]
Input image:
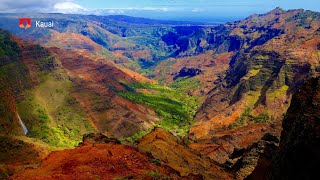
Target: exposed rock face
[102, 161]
[266, 70]
[221, 146]
[255, 162]
[188, 72]
[298, 156]
[100, 157]
[94, 138]
[255, 64]
[168, 149]
[257, 87]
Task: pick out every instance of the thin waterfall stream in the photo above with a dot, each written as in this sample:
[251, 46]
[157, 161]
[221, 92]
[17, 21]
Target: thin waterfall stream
[23, 126]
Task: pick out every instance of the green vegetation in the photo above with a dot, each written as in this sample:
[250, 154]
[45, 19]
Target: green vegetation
[135, 137]
[175, 107]
[186, 84]
[240, 120]
[262, 57]
[52, 114]
[246, 116]
[129, 176]
[3, 172]
[278, 92]
[8, 49]
[304, 18]
[13, 79]
[49, 111]
[254, 72]
[156, 161]
[156, 175]
[120, 179]
[252, 97]
[264, 117]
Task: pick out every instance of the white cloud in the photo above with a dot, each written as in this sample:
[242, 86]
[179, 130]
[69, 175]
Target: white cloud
[108, 11]
[163, 9]
[68, 7]
[115, 11]
[34, 6]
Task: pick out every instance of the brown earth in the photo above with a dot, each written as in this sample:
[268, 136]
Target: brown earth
[96, 84]
[100, 157]
[175, 154]
[212, 65]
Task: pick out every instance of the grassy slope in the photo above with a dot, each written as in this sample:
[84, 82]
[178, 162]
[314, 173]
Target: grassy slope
[173, 105]
[48, 109]
[53, 114]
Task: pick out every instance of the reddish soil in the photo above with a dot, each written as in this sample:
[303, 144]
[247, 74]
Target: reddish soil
[221, 145]
[170, 150]
[96, 85]
[98, 161]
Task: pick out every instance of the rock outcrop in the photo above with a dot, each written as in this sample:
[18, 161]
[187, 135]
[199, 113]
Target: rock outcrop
[173, 152]
[298, 155]
[100, 157]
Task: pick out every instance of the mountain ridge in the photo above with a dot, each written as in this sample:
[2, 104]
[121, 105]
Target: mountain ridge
[218, 94]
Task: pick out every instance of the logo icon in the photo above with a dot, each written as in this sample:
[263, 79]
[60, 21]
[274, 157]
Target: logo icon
[25, 23]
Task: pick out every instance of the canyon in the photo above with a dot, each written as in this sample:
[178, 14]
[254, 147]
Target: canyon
[117, 97]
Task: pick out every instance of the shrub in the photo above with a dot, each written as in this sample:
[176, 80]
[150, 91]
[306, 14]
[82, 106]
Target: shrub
[246, 115]
[264, 117]
[156, 175]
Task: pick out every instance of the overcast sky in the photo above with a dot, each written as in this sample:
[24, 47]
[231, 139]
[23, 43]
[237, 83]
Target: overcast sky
[197, 10]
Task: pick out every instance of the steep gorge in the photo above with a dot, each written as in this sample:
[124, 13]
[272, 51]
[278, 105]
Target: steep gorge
[241, 74]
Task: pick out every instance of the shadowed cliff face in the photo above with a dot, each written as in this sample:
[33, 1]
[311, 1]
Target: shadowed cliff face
[274, 61]
[298, 155]
[250, 98]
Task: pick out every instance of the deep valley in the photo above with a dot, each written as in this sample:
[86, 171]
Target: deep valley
[118, 97]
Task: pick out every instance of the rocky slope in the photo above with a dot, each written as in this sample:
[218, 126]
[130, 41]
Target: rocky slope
[95, 87]
[176, 154]
[61, 95]
[298, 153]
[258, 85]
[267, 69]
[98, 158]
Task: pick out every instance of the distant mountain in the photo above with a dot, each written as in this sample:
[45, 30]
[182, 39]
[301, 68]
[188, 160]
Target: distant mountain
[114, 33]
[212, 105]
[136, 20]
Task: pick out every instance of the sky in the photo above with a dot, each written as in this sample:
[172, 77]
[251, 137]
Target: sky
[186, 10]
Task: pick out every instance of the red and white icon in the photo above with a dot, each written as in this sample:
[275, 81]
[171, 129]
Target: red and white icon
[25, 23]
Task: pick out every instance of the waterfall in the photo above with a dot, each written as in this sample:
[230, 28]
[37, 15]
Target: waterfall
[24, 128]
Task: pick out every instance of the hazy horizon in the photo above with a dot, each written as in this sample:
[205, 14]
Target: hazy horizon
[178, 10]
